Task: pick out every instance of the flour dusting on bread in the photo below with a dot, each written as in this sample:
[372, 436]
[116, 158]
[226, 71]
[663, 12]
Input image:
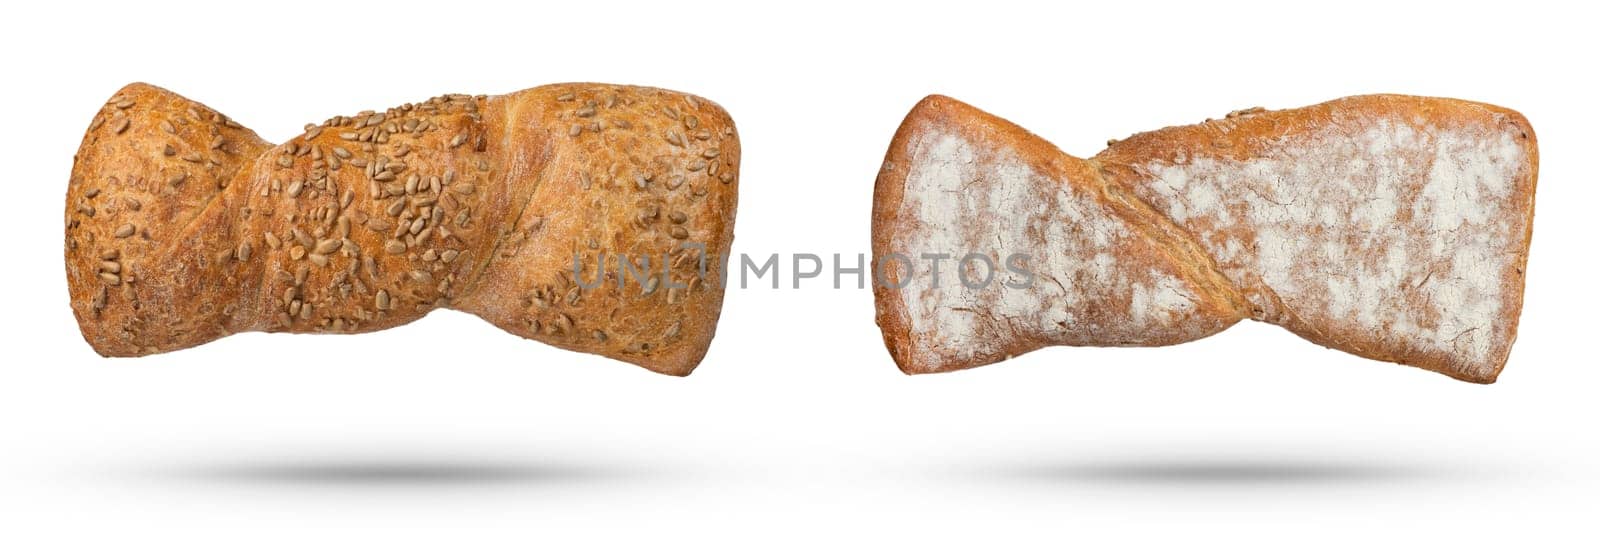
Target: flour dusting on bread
[974, 198]
[1402, 232]
[1392, 227]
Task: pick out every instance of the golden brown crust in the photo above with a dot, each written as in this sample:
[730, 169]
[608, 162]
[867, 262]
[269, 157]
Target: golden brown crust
[1379, 194]
[371, 221]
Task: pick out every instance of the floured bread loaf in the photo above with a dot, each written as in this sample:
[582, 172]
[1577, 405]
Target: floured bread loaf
[182, 226]
[1392, 227]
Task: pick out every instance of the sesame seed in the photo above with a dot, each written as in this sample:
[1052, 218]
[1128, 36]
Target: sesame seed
[124, 231]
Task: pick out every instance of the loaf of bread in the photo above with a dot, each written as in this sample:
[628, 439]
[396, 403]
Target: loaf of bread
[183, 226]
[1392, 227]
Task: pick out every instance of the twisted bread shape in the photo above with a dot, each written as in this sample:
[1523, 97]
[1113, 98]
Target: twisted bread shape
[183, 226]
[1392, 227]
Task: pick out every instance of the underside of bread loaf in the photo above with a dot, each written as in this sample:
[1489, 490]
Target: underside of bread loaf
[182, 226]
[1391, 227]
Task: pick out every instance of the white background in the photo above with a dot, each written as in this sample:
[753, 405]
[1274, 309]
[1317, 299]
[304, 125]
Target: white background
[797, 419]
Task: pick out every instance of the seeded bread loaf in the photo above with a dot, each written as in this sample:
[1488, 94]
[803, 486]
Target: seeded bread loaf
[1391, 227]
[183, 226]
